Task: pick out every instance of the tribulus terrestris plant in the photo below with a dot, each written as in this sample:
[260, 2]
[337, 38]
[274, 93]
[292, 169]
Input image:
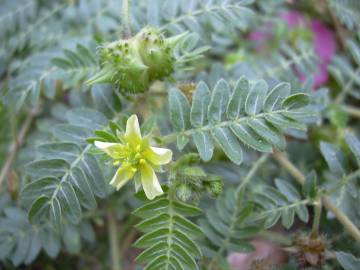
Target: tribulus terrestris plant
[179, 135]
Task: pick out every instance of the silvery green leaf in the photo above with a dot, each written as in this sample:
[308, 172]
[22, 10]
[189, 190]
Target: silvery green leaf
[255, 99]
[275, 97]
[228, 143]
[334, 157]
[200, 103]
[219, 100]
[179, 110]
[204, 144]
[347, 260]
[236, 106]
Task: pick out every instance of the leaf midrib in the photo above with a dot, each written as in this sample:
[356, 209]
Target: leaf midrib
[227, 123]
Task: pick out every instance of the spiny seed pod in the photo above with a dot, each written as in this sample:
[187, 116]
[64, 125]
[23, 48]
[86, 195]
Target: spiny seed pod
[262, 264]
[310, 251]
[133, 64]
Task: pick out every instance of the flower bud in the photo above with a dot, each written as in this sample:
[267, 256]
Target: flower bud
[184, 192]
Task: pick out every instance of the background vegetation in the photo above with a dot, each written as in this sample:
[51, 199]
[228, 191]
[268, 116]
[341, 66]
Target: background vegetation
[264, 150]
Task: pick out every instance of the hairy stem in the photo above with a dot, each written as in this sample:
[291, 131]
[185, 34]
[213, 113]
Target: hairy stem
[19, 140]
[316, 222]
[353, 111]
[113, 241]
[297, 174]
[126, 19]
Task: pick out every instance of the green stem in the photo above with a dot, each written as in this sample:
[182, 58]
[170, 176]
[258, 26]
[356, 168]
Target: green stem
[126, 19]
[18, 141]
[252, 172]
[297, 174]
[316, 222]
[208, 128]
[113, 241]
[353, 111]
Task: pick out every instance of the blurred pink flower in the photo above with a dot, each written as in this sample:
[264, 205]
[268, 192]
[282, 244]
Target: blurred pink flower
[323, 42]
[268, 253]
[324, 46]
[292, 18]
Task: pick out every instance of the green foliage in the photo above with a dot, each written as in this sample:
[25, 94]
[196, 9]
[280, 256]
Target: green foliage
[199, 15]
[168, 238]
[281, 64]
[56, 183]
[348, 12]
[343, 180]
[346, 75]
[250, 114]
[227, 226]
[66, 176]
[283, 202]
[347, 261]
[75, 66]
[21, 242]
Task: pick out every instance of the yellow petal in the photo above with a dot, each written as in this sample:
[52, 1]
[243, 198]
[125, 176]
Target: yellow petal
[158, 156]
[132, 133]
[122, 176]
[150, 182]
[114, 150]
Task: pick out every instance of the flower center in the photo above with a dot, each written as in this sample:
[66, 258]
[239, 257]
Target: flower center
[130, 156]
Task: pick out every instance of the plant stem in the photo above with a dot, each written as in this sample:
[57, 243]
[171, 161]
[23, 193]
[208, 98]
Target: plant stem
[341, 217]
[353, 111]
[251, 173]
[126, 19]
[316, 222]
[338, 28]
[113, 241]
[19, 140]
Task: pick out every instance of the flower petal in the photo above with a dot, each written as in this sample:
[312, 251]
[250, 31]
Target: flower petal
[150, 182]
[114, 150]
[158, 156]
[122, 176]
[132, 133]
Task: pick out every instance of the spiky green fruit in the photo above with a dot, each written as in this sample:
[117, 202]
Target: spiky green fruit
[133, 64]
[214, 185]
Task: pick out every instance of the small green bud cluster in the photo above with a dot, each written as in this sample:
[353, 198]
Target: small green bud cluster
[133, 64]
[191, 181]
[214, 185]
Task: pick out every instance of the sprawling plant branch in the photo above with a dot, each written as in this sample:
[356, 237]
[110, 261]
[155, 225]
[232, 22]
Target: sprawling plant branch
[234, 219]
[113, 240]
[19, 140]
[300, 177]
[351, 110]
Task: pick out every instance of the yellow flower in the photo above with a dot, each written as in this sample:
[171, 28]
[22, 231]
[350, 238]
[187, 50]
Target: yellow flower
[135, 154]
